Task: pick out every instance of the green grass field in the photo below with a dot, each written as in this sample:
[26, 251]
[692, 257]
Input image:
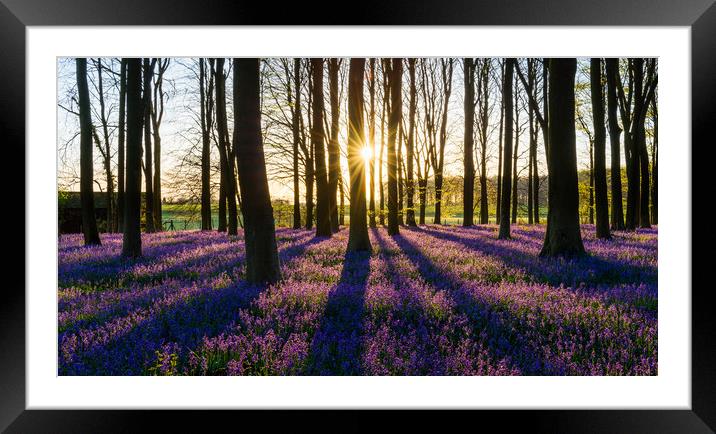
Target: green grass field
[187, 216]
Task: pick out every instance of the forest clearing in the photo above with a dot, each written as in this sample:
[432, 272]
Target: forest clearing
[432, 301]
[418, 216]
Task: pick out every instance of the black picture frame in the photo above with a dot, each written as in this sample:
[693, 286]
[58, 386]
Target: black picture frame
[699, 15]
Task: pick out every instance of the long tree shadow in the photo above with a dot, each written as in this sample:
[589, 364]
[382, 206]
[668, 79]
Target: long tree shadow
[623, 238]
[127, 346]
[182, 324]
[299, 248]
[588, 269]
[110, 304]
[337, 345]
[153, 268]
[499, 323]
[429, 361]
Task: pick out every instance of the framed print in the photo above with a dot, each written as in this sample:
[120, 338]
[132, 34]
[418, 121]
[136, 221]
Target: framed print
[451, 206]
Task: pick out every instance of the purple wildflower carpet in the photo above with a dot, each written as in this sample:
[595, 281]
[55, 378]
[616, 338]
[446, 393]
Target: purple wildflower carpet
[434, 300]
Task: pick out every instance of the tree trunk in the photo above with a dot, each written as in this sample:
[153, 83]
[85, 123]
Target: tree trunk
[132, 241]
[532, 144]
[107, 155]
[383, 115]
[222, 192]
[484, 89]
[422, 190]
[399, 163]
[654, 163]
[205, 154]
[410, 148]
[358, 230]
[148, 171]
[89, 223]
[296, 129]
[617, 211]
[600, 143]
[157, 115]
[545, 130]
[632, 146]
[310, 178]
[323, 220]
[447, 66]
[468, 189]
[334, 153]
[396, 104]
[498, 206]
[533, 181]
[507, 157]
[225, 147]
[342, 205]
[644, 189]
[371, 134]
[562, 236]
[591, 183]
[262, 262]
[515, 150]
[120, 145]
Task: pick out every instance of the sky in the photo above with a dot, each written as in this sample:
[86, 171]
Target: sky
[179, 128]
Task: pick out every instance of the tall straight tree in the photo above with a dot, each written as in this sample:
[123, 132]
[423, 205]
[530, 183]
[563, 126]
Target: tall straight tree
[105, 151]
[534, 126]
[635, 81]
[334, 152]
[225, 146]
[307, 149]
[371, 134]
[515, 150]
[507, 152]
[468, 190]
[399, 163]
[384, 115]
[439, 157]
[323, 219]
[532, 175]
[484, 115]
[358, 231]
[396, 107]
[210, 121]
[541, 117]
[600, 143]
[120, 144]
[205, 153]
[148, 151]
[132, 241]
[498, 207]
[562, 236]
[640, 138]
[89, 223]
[296, 131]
[617, 210]
[654, 163]
[262, 262]
[410, 147]
[157, 115]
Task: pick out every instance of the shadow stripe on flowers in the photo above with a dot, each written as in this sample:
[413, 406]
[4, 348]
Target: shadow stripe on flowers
[126, 345]
[336, 347]
[428, 327]
[588, 270]
[546, 330]
[498, 324]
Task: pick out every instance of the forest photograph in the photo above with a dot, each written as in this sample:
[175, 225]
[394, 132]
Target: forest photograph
[427, 216]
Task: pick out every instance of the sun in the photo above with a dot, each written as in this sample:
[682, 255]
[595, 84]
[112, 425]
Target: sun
[366, 153]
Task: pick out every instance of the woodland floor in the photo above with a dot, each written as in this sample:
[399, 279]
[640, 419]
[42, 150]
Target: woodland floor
[434, 300]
